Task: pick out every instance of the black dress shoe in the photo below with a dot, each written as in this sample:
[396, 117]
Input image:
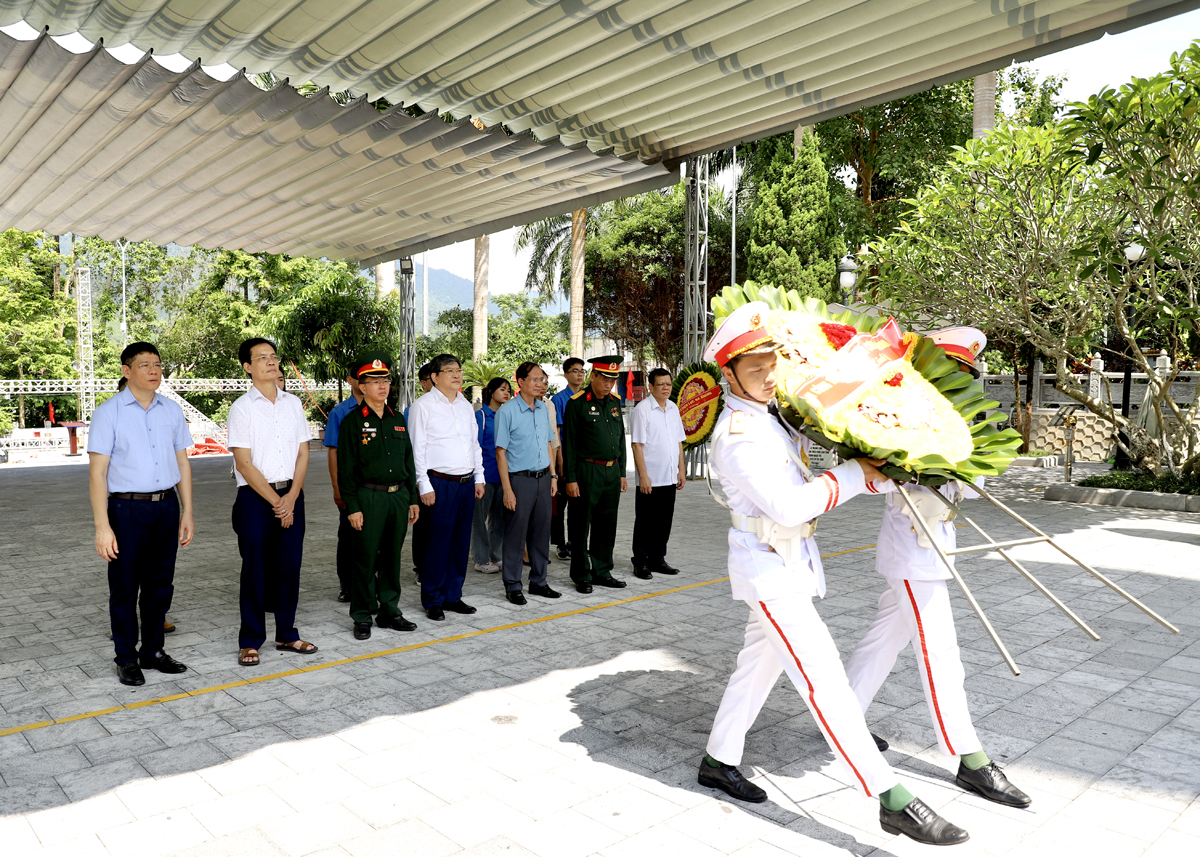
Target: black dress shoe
[436, 614]
[362, 630]
[663, 568]
[162, 662]
[462, 607]
[610, 583]
[343, 596]
[130, 674]
[544, 591]
[879, 742]
[515, 596]
[641, 572]
[396, 623]
[564, 551]
[585, 588]
[918, 821]
[729, 779]
[990, 782]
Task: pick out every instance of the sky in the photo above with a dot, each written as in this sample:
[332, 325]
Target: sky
[1109, 61]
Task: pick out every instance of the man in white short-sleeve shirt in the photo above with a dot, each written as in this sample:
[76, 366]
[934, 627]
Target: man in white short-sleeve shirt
[268, 435]
[656, 434]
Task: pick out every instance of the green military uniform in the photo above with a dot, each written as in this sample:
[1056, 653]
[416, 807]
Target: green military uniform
[376, 476]
[593, 444]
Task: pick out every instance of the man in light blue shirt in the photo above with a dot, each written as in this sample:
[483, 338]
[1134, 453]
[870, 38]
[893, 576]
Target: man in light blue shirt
[527, 475]
[345, 548]
[137, 449]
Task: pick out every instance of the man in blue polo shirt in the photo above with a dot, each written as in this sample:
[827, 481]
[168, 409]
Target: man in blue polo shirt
[137, 450]
[345, 548]
[574, 373]
[527, 475]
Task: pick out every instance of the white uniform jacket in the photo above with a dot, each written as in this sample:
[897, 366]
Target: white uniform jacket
[755, 459]
[898, 554]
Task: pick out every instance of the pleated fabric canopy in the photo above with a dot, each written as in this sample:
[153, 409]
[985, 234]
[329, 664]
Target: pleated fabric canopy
[652, 79]
[95, 146]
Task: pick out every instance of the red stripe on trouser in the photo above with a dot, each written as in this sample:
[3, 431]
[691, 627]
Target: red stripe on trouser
[812, 698]
[928, 668]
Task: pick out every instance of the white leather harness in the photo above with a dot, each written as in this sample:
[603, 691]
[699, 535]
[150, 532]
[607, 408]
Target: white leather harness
[933, 510]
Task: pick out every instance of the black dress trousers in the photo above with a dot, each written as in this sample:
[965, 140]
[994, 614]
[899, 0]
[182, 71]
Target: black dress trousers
[653, 515]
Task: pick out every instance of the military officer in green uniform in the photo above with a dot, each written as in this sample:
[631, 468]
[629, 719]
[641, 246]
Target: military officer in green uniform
[593, 444]
[378, 482]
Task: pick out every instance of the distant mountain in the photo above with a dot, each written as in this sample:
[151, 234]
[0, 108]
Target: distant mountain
[447, 290]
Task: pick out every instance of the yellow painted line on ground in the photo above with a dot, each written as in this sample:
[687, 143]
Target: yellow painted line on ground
[41, 724]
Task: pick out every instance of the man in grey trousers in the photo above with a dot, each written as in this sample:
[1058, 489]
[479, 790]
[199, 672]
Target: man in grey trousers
[523, 457]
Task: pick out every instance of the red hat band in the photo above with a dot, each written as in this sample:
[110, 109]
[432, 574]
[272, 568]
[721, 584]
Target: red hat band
[606, 367]
[741, 343]
[959, 351]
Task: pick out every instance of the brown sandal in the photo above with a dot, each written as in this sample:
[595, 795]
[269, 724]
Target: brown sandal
[300, 647]
[248, 657]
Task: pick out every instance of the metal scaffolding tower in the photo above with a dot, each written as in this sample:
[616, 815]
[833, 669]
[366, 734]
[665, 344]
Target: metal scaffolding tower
[695, 294]
[87, 355]
[407, 358]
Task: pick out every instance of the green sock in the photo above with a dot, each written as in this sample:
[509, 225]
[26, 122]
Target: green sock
[896, 798]
[711, 762]
[975, 761]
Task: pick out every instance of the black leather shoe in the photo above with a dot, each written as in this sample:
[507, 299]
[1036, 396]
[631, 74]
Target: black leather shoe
[880, 743]
[515, 596]
[436, 614]
[462, 607]
[396, 623]
[130, 674]
[918, 821]
[564, 551]
[990, 782]
[641, 572]
[343, 597]
[729, 779]
[585, 588]
[162, 662]
[610, 583]
[663, 568]
[362, 630]
[544, 591]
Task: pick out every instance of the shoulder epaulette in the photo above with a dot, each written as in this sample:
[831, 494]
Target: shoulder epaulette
[580, 393]
[737, 423]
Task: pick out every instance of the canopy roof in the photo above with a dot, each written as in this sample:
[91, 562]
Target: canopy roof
[649, 81]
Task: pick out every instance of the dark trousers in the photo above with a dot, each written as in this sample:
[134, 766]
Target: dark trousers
[558, 520]
[375, 584]
[420, 538]
[527, 525]
[345, 550]
[142, 574]
[271, 555]
[487, 531]
[653, 514]
[443, 562]
[594, 511]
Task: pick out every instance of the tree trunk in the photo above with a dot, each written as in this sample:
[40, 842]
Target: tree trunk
[984, 118]
[578, 221]
[797, 140]
[57, 290]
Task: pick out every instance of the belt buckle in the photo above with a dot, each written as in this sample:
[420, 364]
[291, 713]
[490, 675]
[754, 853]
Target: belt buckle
[608, 464]
[156, 496]
[392, 489]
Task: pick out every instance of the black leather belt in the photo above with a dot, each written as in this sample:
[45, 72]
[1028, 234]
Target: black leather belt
[130, 495]
[532, 474]
[281, 486]
[470, 477]
[390, 487]
[601, 461]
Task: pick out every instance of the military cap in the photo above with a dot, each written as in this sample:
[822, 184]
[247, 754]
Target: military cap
[608, 365]
[744, 331]
[964, 344]
[373, 364]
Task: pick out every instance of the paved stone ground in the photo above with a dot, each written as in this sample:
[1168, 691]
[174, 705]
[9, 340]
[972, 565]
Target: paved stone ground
[579, 734]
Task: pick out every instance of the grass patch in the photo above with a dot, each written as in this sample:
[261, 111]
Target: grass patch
[1130, 480]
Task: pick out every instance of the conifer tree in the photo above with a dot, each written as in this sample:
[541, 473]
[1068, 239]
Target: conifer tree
[794, 240]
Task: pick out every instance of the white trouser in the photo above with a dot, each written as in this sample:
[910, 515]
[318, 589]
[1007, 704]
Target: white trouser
[918, 612]
[787, 634]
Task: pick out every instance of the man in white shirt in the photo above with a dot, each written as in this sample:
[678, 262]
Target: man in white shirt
[449, 464]
[656, 434]
[268, 435]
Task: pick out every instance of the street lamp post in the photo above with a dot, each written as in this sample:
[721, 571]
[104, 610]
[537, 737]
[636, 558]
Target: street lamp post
[847, 277]
[1134, 253]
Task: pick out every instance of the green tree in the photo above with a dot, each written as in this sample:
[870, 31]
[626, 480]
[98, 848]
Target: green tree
[794, 236]
[517, 332]
[34, 323]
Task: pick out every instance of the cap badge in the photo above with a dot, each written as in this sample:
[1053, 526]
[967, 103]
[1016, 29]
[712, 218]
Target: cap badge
[755, 321]
[376, 364]
[975, 347]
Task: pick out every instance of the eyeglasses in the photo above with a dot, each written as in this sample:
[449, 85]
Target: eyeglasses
[269, 358]
[376, 382]
[157, 367]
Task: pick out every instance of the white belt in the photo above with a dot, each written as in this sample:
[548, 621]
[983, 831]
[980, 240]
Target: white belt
[785, 541]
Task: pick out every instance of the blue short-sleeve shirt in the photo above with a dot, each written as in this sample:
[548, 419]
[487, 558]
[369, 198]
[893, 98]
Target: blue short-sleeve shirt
[140, 442]
[524, 434]
[485, 418]
[560, 400]
[334, 423]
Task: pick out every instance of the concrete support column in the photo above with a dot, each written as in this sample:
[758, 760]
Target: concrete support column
[984, 120]
[385, 279]
[482, 252]
[578, 224]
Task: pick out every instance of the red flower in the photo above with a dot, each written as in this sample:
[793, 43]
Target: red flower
[895, 380]
[837, 334]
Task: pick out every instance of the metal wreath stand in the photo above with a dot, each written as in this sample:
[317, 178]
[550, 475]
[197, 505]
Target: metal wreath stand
[1000, 547]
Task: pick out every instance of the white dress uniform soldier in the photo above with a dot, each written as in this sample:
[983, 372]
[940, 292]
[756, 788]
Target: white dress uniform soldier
[915, 608]
[775, 567]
